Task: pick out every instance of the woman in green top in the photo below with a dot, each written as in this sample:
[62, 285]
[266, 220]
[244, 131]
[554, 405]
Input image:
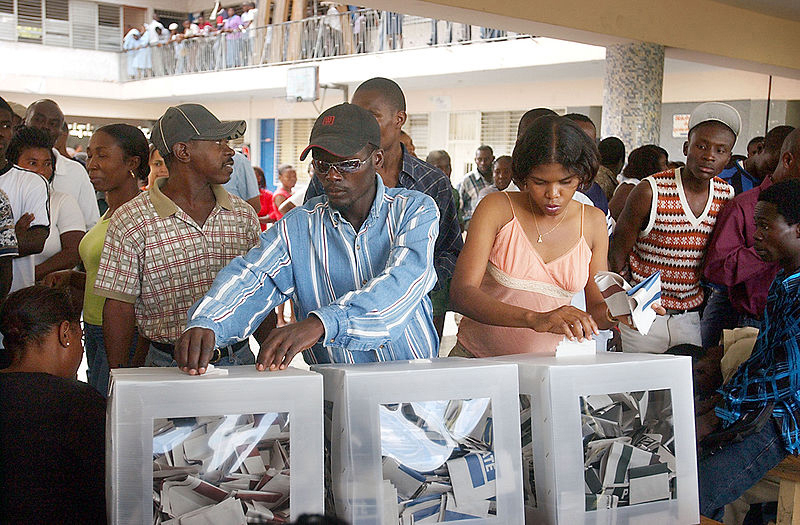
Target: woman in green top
[117, 160]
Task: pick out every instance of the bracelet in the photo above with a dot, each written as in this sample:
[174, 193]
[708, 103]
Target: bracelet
[611, 319]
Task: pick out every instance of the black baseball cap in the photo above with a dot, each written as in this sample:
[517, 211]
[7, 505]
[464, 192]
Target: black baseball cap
[343, 131]
[192, 122]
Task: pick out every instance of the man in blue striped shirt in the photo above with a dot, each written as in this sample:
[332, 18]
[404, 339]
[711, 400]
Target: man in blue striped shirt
[357, 261]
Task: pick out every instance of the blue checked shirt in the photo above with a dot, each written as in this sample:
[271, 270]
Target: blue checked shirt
[421, 176]
[369, 288]
[772, 373]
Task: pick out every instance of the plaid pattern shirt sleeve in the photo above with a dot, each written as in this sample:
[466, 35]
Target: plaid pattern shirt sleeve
[469, 191]
[772, 372]
[421, 176]
[8, 238]
[118, 276]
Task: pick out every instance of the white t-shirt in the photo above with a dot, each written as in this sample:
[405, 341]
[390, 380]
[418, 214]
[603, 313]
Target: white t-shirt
[248, 17]
[66, 216]
[71, 178]
[28, 193]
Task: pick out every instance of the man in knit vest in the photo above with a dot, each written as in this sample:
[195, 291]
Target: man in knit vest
[666, 224]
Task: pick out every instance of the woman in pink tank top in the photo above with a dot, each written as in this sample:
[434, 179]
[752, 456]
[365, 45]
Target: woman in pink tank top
[528, 252]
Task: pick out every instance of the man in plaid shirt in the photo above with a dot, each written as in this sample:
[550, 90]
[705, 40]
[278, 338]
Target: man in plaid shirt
[771, 375]
[164, 248]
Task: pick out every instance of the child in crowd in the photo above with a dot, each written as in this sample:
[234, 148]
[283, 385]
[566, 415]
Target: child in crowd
[288, 178]
[527, 253]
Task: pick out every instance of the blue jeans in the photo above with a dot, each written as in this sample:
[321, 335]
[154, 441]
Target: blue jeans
[717, 316]
[728, 473]
[97, 373]
[243, 356]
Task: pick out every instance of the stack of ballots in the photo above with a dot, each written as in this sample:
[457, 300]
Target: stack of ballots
[629, 448]
[193, 450]
[426, 441]
[199, 464]
[607, 438]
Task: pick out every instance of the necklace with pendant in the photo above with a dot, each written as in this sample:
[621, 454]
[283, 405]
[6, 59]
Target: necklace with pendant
[536, 223]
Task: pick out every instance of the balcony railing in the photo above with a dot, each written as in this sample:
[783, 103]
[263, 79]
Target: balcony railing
[321, 37]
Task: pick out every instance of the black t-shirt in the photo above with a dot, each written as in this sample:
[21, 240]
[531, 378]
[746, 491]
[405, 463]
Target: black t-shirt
[52, 444]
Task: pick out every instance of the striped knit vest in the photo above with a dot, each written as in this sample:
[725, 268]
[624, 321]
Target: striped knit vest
[675, 241]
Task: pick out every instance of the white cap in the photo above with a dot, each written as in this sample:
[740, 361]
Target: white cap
[173, 26]
[716, 112]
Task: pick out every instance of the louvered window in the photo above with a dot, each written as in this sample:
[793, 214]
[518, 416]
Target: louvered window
[29, 21]
[8, 20]
[417, 128]
[499, 130]
[56, 23]
[83, 19]
[292, 138]
[109, 32]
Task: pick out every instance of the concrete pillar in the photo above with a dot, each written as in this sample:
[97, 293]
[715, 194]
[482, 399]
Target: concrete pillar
[632, 93]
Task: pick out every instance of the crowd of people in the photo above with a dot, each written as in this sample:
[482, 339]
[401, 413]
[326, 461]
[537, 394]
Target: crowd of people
[233, 37]
[193, 255]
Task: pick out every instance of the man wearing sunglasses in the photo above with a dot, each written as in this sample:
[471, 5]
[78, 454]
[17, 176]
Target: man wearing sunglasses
[357, 261]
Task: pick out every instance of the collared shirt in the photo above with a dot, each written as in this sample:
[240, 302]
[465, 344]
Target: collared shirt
[369, 288]
[731, 259]
[421, 176]
[468, 190]
[158, 258]
[71, 177]
[772, 372]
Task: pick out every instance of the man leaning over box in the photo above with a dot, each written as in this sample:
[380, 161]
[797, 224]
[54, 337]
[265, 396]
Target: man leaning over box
[357, 261]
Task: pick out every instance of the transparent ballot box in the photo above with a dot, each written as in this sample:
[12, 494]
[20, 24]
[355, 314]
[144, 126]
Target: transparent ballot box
[607, 438]
[235, 447]
[418, 442]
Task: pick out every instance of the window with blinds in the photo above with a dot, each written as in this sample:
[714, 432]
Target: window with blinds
[109, 30]
[291, 139]
[29, 21]
[417, 128]
[56, 22]
[72, 23]
[83, 20]
[8, 20]
[499, 130]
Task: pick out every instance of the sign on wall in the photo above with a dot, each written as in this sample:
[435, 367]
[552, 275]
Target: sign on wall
[680, 125]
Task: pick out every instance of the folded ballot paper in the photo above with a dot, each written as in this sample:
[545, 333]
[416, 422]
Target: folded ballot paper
[623, 299]
[629, 450]
[438, 462]
[230, 469]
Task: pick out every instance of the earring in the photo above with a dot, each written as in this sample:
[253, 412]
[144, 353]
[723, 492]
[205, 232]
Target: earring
[67, 343]
[133, 174]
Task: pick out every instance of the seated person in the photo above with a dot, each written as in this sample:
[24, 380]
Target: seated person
[527, 253]
[357, 262]
[52, 427]
[771, 375]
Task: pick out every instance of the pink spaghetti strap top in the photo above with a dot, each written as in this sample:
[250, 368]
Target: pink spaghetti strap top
[517, 275]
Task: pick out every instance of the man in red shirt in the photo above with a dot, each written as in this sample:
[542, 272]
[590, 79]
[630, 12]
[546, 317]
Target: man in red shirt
[739, 278]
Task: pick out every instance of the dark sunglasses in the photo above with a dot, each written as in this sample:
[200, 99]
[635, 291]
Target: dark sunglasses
[343, 167]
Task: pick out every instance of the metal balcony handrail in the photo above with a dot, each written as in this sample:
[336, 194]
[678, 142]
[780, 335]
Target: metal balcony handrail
[315, 38]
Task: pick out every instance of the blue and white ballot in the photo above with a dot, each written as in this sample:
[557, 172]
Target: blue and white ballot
[636, 301]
